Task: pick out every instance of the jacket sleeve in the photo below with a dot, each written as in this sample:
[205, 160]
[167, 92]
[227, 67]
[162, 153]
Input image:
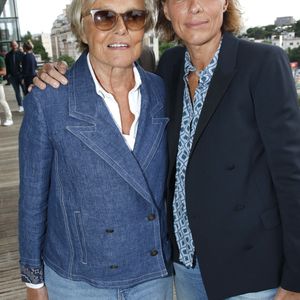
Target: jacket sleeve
[278, 119]
[35, 158]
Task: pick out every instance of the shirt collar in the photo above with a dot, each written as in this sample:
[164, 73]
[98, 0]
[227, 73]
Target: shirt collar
[101, 91]
[188, 66]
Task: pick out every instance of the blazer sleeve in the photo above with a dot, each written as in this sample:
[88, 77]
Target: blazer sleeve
[278, 119]
[35, 159]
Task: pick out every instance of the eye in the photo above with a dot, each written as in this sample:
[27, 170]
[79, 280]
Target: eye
[135, 14]
[103, 15]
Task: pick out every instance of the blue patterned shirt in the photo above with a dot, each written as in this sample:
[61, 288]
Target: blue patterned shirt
[190, 116]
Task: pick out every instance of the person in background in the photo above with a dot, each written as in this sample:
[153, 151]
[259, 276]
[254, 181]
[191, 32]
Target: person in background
[234, 157]
[13, 61]
[8, 115]
[29, 66]
[93, 168]
[147, 59]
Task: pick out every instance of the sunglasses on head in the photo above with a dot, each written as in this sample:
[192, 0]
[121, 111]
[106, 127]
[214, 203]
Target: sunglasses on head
[107, 19]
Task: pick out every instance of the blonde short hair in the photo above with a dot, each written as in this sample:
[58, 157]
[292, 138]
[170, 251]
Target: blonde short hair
[79, 7]
[231, 21]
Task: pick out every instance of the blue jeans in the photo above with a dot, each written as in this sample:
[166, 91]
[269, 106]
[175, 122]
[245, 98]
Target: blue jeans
[188, 283]
[18, 87]
[61, 288]
[189, 286]
[263, 295]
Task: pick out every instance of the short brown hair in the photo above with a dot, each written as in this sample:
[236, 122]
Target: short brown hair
[231, 21]
[27, 46]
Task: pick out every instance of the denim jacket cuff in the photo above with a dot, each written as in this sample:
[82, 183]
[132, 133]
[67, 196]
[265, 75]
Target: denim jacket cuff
[32, 275]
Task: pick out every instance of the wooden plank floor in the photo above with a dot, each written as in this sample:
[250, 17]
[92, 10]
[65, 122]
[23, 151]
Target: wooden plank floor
[11, 288]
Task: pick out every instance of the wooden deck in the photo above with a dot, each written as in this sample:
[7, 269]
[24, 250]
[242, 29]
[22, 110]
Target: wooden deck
[11, 288]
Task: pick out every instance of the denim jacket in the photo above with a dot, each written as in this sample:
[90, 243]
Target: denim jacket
[90, 208]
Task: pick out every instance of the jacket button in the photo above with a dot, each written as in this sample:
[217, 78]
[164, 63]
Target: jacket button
[230, 167]
[151, 217]
[248, 247]
[154, 252]
[114, 267]
[239, 207]
[109, 230]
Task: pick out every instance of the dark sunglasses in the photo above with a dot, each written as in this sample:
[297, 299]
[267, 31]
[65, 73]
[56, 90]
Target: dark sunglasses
[107, 19]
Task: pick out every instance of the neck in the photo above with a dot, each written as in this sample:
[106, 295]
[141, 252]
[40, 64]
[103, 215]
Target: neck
[201, 55]
[116, 80]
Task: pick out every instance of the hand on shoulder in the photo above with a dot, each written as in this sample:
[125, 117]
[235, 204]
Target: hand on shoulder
[52, 74]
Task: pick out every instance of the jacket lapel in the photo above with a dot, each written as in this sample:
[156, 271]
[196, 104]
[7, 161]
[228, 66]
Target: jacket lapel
[152, 123]
[100, 134]
[175, 107]
[222, 77]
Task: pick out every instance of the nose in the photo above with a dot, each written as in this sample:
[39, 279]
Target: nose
[195, 7]
[120, 27]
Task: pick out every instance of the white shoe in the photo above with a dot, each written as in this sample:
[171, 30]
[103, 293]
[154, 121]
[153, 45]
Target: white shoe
[21, 109]
[8, 123]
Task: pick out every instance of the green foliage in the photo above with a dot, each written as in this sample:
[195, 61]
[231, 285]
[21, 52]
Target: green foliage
[294, 54]
[257, 33]
[265, 32]
[26, 37]
[38, 46]
[297, 28]
[163, 46]
[68, 59]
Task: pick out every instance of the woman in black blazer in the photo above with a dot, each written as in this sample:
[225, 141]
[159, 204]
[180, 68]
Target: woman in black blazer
[234, 157]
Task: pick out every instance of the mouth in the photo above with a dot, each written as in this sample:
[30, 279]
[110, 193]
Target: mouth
[118, 46]
[197, 23]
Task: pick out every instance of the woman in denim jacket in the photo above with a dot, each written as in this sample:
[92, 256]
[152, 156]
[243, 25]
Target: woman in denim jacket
[93, 168]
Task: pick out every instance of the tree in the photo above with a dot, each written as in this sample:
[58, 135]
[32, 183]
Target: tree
[297, 28]
[294, 54]
[38, 46]
[163, 46]
[68, 59]
[257, 33]
[269, 31]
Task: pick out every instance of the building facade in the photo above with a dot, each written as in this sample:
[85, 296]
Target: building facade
[9, 24]
[286, 40]
[284, 21]
[62, 39]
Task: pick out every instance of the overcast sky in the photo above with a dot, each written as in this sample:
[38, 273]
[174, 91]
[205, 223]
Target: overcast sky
[37, 16]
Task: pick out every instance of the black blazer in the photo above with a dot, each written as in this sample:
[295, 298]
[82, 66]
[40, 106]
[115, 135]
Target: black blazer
[14, 65]
[243, 176]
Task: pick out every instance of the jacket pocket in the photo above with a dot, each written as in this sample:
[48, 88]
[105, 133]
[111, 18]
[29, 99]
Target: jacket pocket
[81, 237]
[271, 218]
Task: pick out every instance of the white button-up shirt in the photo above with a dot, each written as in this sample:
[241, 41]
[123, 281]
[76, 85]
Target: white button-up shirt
[134, 97]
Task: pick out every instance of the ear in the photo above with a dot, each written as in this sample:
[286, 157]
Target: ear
[225, 6]
[82, 33]
[166, 10]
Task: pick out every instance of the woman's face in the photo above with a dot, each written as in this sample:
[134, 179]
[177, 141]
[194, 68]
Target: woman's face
[196, 22]
[118, 47]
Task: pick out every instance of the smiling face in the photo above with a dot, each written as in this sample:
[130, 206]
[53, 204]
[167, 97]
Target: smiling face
[196, 22]
[118, 47]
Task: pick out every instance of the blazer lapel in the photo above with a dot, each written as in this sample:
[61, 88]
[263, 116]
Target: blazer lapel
[152, 123]
[100, 134]
[175, 107]
[222, 77]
